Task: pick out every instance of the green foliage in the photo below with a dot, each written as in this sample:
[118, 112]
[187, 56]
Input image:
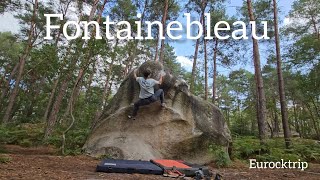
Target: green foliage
[28, 135]
[308, 149]
[105, 156]
[10, 48]
[198, 84]
[221, 157]
[73, 151]
[241, 122]
[124, 9]
[304, 51]
[304, 13]
[171, 63]
[277, 154]
[236, 96]
[245, 147]
[9, 5]
[4, 159]
[54, 140]
[25, 143]
[249, 147]
[48, 61]
[262, 11]
[75, 139]
[23, 134]
[2, 149]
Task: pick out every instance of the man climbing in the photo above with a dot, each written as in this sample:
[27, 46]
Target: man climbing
[147, 94]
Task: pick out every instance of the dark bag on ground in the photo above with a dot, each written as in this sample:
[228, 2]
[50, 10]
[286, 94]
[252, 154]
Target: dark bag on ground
[128, 166]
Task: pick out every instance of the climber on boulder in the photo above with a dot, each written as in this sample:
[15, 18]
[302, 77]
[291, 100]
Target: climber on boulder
[147, 94]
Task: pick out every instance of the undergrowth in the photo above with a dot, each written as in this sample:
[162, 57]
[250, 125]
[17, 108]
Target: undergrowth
[244, 148]
[28, 135]
[4, 159]
[249, 148]
[24, 134]
[221, 157]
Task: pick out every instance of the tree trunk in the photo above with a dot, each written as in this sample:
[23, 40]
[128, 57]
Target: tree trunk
[93, 10]
[194, 66]
[271, 130]
[204, 4]
[130, 64]
[106, 88]
[52, 119]
[53, 91]
[146, 3]
[164, 18]
[45, 116]
[6, 84]
[316, 31]
[298, 128]
[315, 106]
[131, 61]
[214, 83]
[33, 99]
[64, 12]
[276, 122]
[84, 67]
[88, 91]
[75, 92]
[56, 108]
[261, 108]
[104, 94]
[314, 121]
[12, 98]
[108, 92]
[64, 85]
[283, 103]
[46, 113]
[128, 61]
[86, 64]
[157, 48]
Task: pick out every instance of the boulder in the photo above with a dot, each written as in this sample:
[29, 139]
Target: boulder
[182, 130]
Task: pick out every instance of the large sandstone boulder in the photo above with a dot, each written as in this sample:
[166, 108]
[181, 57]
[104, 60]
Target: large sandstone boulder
[183, 130]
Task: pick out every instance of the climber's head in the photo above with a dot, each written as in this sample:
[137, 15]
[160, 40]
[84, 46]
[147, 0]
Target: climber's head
[146, 73]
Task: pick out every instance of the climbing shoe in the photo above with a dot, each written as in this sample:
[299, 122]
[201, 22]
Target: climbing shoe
[131, 117]
[163, 105]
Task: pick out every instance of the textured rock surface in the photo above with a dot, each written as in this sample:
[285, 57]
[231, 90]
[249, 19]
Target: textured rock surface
[183, 130]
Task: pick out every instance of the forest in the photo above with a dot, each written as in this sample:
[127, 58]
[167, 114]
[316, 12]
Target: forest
[53, 90]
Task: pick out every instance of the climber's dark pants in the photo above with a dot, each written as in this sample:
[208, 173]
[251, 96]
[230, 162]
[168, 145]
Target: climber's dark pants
[142, 102]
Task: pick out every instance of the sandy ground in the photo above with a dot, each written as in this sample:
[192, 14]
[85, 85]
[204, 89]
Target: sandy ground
[43, 163]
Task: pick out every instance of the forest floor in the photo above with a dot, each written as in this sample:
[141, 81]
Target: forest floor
[43, 163]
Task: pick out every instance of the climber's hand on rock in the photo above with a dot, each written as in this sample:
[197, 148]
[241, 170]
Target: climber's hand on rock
[135, 74]
[162, 73]
[160, 80]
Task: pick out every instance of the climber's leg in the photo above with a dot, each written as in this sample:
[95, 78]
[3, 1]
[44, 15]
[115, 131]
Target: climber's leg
[136, 108]
[159, 94]
[140, 102]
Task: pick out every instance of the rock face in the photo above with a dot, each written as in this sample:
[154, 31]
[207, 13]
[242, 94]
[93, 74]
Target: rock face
[183, 130]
